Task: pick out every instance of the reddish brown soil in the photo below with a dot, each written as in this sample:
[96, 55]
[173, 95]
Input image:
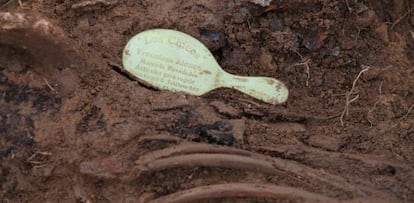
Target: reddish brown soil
[95, 135]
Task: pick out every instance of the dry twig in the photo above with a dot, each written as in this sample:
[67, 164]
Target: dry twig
[400, 18]
[349, 7]
[345, 112]
[39, 153]
[304, 63]
[6, 4]
[403, 117]
[35, 162]
[369, 114]
[307, 69]
[48, 85]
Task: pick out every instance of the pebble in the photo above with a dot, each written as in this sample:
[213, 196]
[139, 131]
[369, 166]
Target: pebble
[241, 16]
[219, 132]
[213, 40]
[331, 52]
[266, 60]
[382, 31]
[366, 19]
[239, 127]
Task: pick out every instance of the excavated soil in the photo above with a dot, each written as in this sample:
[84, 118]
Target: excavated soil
[75, 128]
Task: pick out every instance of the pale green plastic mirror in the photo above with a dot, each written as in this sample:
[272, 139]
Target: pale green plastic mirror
[175, 61]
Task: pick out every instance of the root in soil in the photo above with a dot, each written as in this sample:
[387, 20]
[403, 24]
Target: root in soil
[242, 190]
[348, 99]
[371, 110]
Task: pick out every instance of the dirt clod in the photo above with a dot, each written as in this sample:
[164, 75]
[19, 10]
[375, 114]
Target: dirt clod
[325, 142]
[226, 109]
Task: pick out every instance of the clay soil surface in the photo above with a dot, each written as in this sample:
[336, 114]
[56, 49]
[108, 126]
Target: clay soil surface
[75, 128]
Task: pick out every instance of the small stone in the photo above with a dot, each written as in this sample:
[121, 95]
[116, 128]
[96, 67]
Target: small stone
[239, 127]
[326, 142]
[68, 80]
[241, 16]
[266, 60]
[219, 133]
[331, 52]
[382, 31]
[212, 39]
[368, 18]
